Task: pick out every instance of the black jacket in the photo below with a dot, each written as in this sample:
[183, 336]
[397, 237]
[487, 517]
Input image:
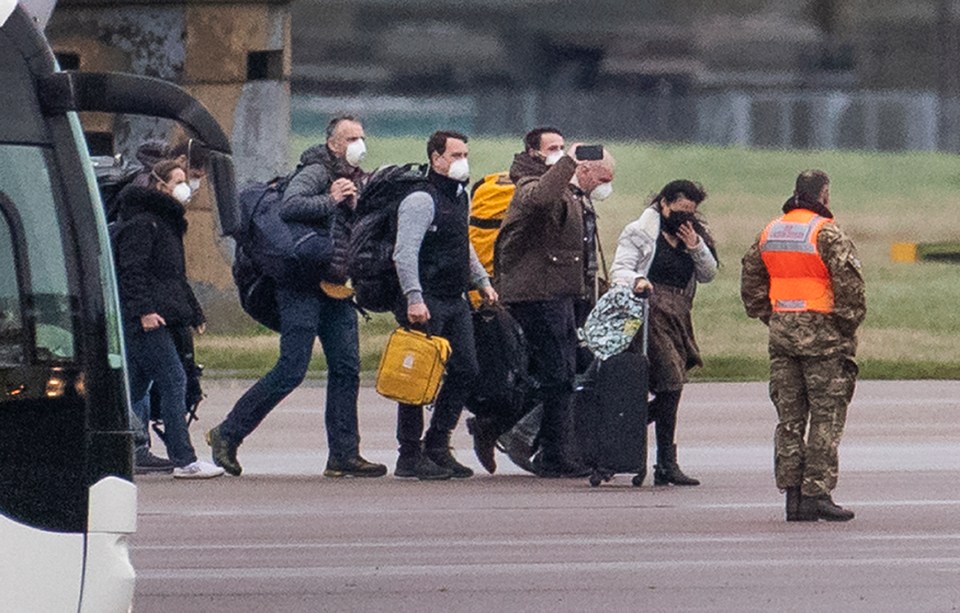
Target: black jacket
[444, 258]
[307, 199]
[148, 249]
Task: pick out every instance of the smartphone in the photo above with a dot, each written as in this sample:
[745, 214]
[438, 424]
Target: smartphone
[590, 152]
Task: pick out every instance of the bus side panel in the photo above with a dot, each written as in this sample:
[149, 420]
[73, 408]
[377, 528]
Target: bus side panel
[32, 562]
[108, 582]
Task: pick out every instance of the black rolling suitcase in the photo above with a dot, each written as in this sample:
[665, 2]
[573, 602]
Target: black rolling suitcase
[610, 412]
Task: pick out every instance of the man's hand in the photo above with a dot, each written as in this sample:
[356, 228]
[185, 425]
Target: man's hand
[151, 321]
[688, 235]
[572, 152]
[343, 189]
[642, 287]
[490, 295]
[201, 328]
[418, 313]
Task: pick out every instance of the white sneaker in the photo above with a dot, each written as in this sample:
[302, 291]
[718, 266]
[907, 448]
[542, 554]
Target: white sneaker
[197, 470]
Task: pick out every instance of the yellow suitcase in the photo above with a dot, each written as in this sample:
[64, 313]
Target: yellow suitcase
[412, 366]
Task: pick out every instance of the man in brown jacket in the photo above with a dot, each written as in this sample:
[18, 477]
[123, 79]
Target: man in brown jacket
[539, 272]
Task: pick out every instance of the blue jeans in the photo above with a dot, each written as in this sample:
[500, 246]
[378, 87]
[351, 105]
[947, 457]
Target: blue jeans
[451, 319]
[303, 317]
[140, 418]
[152, 356]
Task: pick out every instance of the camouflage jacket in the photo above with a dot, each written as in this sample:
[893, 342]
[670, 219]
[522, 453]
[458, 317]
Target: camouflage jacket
[810, 333]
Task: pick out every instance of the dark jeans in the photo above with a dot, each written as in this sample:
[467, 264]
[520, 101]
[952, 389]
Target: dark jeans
[451, 319]
[303, 317]
[551, 334]
[152, 356]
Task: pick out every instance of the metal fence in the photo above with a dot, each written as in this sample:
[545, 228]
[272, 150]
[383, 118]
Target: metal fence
[880, 121]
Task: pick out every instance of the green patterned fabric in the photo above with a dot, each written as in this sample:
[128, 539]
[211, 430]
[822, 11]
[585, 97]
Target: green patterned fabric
[613, 322]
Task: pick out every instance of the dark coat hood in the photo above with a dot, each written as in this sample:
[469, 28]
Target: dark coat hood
[135, 200]
[525, 165]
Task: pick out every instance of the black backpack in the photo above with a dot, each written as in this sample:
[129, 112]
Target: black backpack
[500, 392]
[258, 297]
[113, 174]
[374, 234]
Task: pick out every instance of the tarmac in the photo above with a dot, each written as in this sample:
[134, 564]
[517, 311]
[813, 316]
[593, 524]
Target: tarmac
[283, 538]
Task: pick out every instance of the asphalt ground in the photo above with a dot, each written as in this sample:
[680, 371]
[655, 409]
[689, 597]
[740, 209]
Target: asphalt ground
[283, 538]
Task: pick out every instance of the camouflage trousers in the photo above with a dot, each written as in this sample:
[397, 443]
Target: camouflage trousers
[810, 392]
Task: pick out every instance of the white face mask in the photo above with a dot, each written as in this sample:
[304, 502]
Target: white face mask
[194, 185]
[459, 170]
[602, 191]
[356, 151]
[182, 192]
[553, 158]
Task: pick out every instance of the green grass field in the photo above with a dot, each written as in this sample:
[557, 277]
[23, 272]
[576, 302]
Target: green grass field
[911, 330]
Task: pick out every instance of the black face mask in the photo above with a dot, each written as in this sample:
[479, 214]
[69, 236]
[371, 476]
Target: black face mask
[677, 218]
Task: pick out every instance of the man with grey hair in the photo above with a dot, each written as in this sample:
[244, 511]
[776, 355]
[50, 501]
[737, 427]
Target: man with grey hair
[323, 191]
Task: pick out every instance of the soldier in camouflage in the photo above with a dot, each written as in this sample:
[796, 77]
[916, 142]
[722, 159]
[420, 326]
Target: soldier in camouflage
[803, 279]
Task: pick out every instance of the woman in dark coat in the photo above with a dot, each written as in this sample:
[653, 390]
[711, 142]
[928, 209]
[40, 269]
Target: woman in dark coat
[156, 298]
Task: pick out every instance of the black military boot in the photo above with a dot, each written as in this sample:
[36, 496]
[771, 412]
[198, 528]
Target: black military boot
[436, 446]
[793, 505]
[823, 507]
[667, 471]
[414, 464]
[484, 442]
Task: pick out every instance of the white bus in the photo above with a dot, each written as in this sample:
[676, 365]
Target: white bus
[67, 497]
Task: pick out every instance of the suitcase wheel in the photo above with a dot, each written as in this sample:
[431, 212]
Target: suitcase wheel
[638, 479]
[595, 478]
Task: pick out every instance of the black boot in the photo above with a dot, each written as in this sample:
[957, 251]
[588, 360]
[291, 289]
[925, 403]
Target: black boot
[667, 471]
[793, 505]
[558, 468]
[484, 442]
[823, 507]
[436, 446]
[414, 464]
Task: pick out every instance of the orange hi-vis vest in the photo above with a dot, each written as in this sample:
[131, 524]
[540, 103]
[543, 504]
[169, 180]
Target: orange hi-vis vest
[799, 280]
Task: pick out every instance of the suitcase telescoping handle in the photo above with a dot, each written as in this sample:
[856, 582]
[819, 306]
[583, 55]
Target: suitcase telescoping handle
[645, 308]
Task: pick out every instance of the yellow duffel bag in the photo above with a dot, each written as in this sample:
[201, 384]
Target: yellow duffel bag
[412, 366]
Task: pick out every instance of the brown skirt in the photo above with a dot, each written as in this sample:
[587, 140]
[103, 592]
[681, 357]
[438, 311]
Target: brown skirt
[673, 349]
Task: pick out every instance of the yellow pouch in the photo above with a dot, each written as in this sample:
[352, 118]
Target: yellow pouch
[336, 291]
[412, 367]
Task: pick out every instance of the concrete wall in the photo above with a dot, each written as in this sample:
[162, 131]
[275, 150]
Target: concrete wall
[203, 46]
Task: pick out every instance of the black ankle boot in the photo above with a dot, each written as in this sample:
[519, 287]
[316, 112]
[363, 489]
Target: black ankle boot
[667, 471]
[823, 507]
[793, 498]
[436, 446]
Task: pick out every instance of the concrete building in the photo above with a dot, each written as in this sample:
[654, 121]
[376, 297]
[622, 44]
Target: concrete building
[233, 55]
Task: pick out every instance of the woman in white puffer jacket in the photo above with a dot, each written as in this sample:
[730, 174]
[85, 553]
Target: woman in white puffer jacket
[666, 253]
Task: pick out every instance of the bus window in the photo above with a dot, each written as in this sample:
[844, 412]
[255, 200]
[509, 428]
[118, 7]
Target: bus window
[25, 177]
[11, 318]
